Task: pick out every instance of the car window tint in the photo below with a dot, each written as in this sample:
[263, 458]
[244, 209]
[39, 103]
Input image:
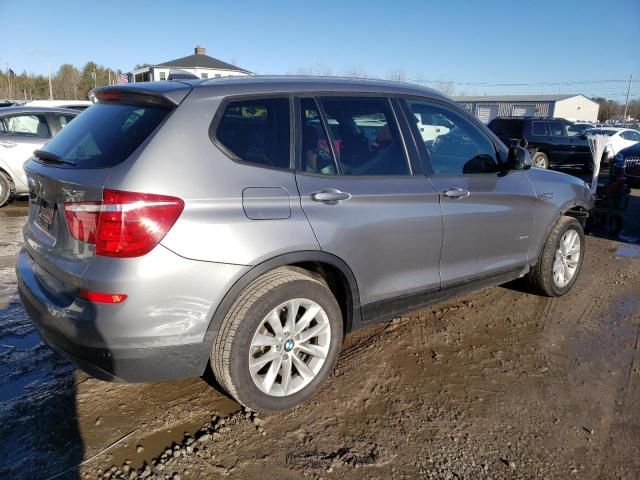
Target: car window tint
[366, 137]
[460, 147]
[316, 152]
[64, 119]
[539, 128]
[556, 129]
[106, 134]
[631, 135]
[257, 131]
[573, 130]
[507, 127]
[27, 125]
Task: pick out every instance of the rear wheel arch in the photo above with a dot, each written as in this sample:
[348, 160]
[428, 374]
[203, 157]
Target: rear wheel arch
[320, 265]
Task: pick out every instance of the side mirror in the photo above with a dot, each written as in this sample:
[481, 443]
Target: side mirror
[519, 158]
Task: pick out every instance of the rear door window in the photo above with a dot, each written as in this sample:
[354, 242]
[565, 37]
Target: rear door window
[504, 128]
[557, 129]
[106, 134]
[257, 131]
[539, 128]
[33, 125]
[366, 137]
[316, 150]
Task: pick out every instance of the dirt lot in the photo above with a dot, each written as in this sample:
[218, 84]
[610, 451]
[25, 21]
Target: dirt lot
[498, 384]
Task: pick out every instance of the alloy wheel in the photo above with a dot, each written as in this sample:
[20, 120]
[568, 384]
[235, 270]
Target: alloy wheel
[289, 347]
[566, 259]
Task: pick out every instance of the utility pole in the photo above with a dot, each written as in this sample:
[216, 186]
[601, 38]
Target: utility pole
[626, 103]
[50, 88]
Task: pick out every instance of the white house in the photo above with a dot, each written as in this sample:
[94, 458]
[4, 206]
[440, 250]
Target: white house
[199, 64]
[570, 106]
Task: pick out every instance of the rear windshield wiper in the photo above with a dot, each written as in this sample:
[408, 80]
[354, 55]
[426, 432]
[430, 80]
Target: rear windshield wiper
[52, 157]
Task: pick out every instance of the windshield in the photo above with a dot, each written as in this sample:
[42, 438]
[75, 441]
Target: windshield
[106, 134]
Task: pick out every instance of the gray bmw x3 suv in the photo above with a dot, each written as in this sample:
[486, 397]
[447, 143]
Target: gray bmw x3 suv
[249, 223]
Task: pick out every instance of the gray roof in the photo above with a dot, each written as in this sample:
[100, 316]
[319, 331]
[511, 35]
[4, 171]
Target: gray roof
[288, 83]
[201, 61]
[516, 98]
[280, 84]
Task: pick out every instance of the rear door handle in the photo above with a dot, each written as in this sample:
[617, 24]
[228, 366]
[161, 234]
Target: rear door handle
[330, 196]
[8, 144]
[456, 192]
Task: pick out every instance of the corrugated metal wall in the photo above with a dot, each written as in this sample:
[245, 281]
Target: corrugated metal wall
[486, 111]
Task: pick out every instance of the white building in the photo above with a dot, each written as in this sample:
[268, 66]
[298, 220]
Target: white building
[199, 64]
[570, 106]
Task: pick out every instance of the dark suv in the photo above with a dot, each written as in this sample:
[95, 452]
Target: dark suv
[556, 141]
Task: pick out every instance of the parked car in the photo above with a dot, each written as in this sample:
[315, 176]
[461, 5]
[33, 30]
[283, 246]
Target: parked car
[618, 138]
[79, 105]
[556, 141]
[23, 130]
[580, 127]
[626, 163]
[176, 225]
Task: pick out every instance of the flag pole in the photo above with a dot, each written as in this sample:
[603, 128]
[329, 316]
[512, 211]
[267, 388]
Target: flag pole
[50, 88]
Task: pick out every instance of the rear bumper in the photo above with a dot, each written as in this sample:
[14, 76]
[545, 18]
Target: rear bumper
[79, 331]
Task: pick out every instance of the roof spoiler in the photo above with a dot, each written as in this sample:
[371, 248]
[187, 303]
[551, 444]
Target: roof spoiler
[167, 93]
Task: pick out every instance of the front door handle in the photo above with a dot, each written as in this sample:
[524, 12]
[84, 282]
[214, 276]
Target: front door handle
[8, 144]
[456, 192]
[330, 196]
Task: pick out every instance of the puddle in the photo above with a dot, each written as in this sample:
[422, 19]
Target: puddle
[629, 251]
[159, 441]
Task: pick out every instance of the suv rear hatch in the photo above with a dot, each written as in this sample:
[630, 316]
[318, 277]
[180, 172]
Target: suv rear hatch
[71, 216]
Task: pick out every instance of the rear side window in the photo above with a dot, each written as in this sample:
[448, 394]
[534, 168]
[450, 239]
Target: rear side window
[511, 128]
[26, 125]
[539, 128]
[106, 134]
[257, 131]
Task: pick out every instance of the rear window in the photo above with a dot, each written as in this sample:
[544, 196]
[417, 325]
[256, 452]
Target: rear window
[257, 131]
[507, 127]
[106, 134]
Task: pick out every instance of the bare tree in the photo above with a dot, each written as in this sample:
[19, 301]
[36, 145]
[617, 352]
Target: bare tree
[398, 75]
[446, 87]
[355, 71]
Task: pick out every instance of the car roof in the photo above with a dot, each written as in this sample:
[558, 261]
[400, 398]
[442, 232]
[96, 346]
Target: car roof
[266, 84]
[28, 109]
[527, 117]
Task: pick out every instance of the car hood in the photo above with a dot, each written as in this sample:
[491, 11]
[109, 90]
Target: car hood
[566, 189]
[632, 150]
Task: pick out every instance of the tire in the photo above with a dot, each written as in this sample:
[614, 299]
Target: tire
[250, 318]
[540, 160]
[541, 276]
[6, 190]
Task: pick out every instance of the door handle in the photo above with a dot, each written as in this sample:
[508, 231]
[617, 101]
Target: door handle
[456, 192]
[8, 144]
[330, 196]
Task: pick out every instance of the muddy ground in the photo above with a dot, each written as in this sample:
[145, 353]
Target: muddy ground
[498, 384]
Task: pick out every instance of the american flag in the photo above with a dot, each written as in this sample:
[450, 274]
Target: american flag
[122, 78]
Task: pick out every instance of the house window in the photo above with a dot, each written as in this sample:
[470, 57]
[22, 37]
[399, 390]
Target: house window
[218, 75]
[205, 75]
[163, 75]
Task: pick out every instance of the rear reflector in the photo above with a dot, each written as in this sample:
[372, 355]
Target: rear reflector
[124, 224]
[98, 297]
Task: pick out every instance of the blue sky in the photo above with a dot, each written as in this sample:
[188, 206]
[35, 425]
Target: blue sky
[475, 44]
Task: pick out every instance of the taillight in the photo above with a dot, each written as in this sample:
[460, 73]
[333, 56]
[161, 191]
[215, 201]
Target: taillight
[98, 297]
[124, 224]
